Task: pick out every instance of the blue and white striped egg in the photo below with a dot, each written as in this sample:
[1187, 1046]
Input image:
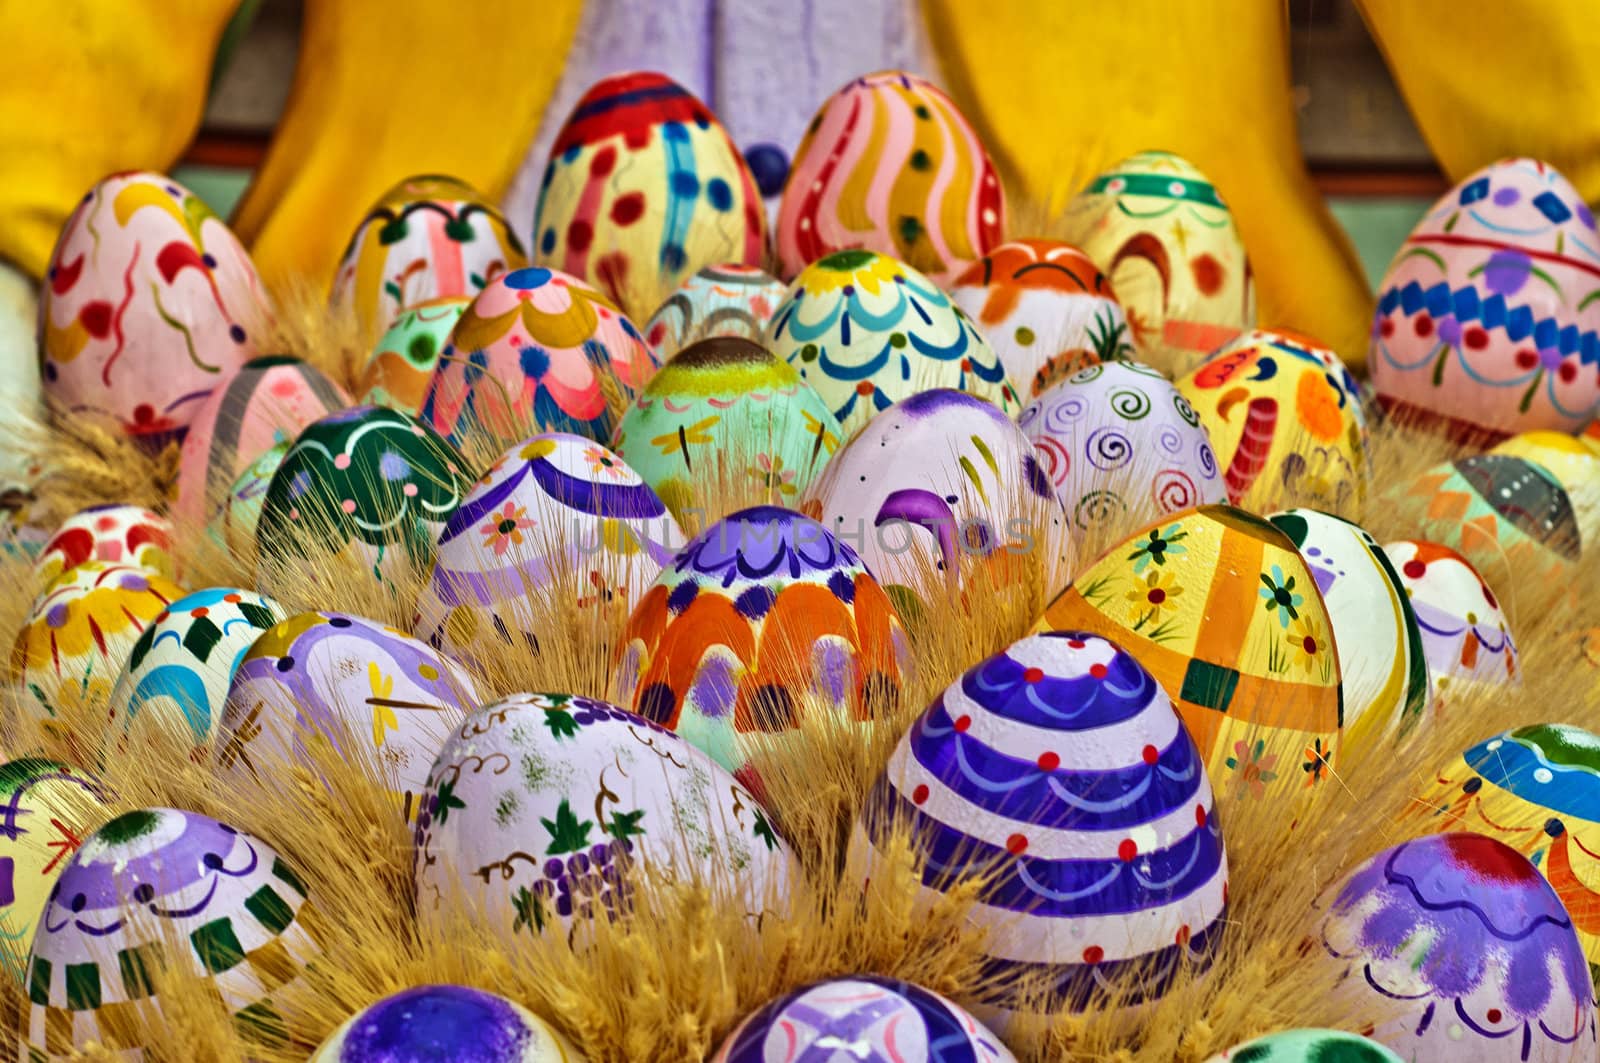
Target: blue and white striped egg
[1058, 774]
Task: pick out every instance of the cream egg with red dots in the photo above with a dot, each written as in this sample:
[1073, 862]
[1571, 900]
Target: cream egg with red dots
[116, 534]
[1058, 773]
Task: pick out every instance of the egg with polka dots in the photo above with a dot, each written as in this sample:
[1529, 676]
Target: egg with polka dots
[1059, 773]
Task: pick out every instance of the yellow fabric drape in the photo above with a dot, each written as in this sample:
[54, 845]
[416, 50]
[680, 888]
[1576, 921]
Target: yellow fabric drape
[385, 90]
[1064, 89]
[90, 88]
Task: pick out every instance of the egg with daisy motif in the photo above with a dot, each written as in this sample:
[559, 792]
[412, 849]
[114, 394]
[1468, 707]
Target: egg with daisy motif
[725, 300]
[1308, 1046]
[1465, 635]
[428, 236]
[368, 483]
[383, 698]
[1453, 946]
[80, 631]
[874, 1019]
[435, 1022]
[402, 365]
[760, 616]
[557, 518]
[598, 791]
[1058, 773]
[867, 331]
[727, 414]
[1225, 613]
[160, 889]
[537, 351]
[234, 523]
[114, 534]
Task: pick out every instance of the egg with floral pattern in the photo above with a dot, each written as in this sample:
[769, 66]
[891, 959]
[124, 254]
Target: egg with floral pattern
[162, 886]
[1465, 635]
[148, 303]
[557, 518]
[597, 792]
[725, 300]
[402, 365]
[1308, 1046]
[114, 534]
[428, 1023]
[867, 331]
[1058, 773]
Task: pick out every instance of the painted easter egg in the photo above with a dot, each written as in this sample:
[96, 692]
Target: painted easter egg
[1285, 418]
[557, 517]
[1221, 608]
[161, 886]
[644, 187]
[402, 365]
[1572, 464]
[537, 351]
[1465, 636]
[180, 669]
[115, 534]
[1121, 445]
[760, 605]
[368, 483]
[725, 300]
[267, 402]
[1484, 323]
[727, 414]
[1165, 238]
[234, 524]
[890, 164]
[148, 303]
[347, 678]
[1308, 1046]
[22, 535]
[1046, 309]
[1459, 949]
[427, 237]
[867, 331]
[627, 793]
[874, 1019]
[1536, 789]
[81, 629]
[1590, 436]
[43, 806]
[1058, 773]
[428, 1023]
[1381, 657]
[934, 484]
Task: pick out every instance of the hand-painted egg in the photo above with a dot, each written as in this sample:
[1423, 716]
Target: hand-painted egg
[867, 331]
[1537, 789]
[1465, 637]
[145, 311]
[760, 608]
[1484, 322]
[1314, 452]
[1590, 436]
[874, 1019]
[43, 806]
[1308, 1046]
[428, 236]
[366, 482]
[556, 515]
[180, 669]
[644, 188]
[727, 415]
[537, 351]
[1221, 608]
[403, 363]
[1046, 309]
[1121, 445]
[890, 164]
[344, 677]
[1381, 657]
[1458, 949]
[81, 630]
[430, 1023]
[725, 300]
[1058, 773]
[114, 534]
[538, 805]
[234, 524]
[161, 886]
[265, 403]
[1166, 240]
[936, 480]
[22, 536]
[1572, 464]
